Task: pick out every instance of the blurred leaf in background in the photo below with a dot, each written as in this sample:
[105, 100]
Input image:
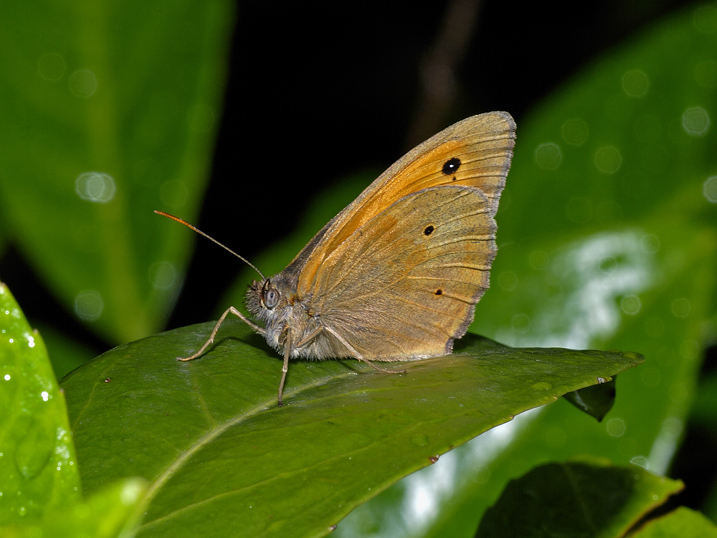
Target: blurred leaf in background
[569, 499]
[109, 111]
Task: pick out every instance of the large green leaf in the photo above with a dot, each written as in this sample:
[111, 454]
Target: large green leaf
[223, 460]
[38, 470]
[109, 111]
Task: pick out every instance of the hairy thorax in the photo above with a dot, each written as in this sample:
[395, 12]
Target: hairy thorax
[291, 317]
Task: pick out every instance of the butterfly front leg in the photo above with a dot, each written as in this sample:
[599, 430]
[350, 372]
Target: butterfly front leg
[210, 340]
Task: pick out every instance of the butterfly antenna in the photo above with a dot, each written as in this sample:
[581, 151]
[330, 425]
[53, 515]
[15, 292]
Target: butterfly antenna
[200, 232]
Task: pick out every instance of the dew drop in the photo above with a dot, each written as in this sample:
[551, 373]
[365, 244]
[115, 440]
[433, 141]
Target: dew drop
[615, 427]
[680, 307]
[706, 74]
[51, 66]
[163, 275]
[631, 305]
[548, 156]
[640, 461]
[95, 187]
[678, 392]
[419, 440]
[635, 83]
[696, 121]
[575, 132]
[608, 159]
[508, 280]
[82, 83]
[709, 189]
[89, 305]
[520, 323]
[539, 259]
[541, 385]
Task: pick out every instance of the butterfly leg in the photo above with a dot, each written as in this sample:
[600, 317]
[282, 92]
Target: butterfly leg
[285, 367]
[360, 357]
[230, 310]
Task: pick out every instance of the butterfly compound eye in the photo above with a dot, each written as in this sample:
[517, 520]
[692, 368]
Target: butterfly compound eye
[451, 166]
[269, 296]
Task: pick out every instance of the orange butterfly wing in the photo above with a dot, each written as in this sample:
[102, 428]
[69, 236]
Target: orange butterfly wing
[474, 152]
[405, 286]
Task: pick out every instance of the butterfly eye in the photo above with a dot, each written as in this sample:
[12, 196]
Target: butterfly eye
[451, 166]
[270, 297]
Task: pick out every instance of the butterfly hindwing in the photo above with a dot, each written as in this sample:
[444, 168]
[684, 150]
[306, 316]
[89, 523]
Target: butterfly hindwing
[404, 285]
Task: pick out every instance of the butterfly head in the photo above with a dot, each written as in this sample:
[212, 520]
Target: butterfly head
[267, 299]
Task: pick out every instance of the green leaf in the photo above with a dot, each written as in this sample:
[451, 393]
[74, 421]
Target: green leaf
[109, 513]
[596, 400]
[576, 499]
[221, 457]
[680, 522]
[109, 111]
[38, 470]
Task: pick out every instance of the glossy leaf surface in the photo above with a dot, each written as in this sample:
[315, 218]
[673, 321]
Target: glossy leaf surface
[222, 458]
[38, 470]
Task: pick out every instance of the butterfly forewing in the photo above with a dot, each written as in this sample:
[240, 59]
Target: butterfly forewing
[406, 283]
[475, 152]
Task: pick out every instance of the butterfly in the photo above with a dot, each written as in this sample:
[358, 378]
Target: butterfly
[396, 275]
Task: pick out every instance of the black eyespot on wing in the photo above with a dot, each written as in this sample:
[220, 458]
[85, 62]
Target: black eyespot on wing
[451, 166]
[428, 230]
[439, 291]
